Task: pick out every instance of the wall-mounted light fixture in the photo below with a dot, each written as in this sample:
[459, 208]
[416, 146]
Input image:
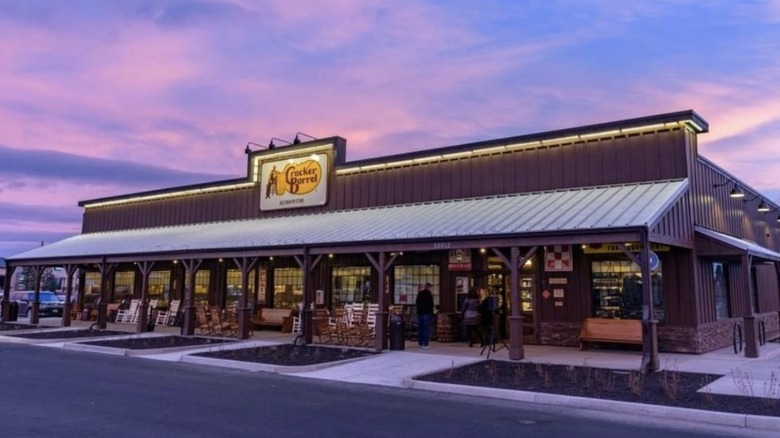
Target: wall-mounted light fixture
[297, 140]
[763, 207]
[247, 150]
[271, 144]
[735, 192]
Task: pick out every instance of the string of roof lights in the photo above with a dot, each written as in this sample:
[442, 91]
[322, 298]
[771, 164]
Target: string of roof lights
[522, 146]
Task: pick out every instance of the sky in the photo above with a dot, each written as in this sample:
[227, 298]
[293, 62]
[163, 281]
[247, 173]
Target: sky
[101, 98]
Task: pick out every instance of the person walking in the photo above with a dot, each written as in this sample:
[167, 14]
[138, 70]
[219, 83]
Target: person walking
[424, 305]
[471, 317]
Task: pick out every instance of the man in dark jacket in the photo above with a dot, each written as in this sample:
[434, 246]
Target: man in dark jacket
[424, 304]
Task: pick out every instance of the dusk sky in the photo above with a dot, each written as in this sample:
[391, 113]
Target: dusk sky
[101, 98]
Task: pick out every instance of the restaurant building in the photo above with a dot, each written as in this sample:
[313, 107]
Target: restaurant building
[620, 220]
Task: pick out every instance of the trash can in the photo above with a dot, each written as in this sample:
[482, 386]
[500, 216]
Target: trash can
[13, 313]
[397, 329]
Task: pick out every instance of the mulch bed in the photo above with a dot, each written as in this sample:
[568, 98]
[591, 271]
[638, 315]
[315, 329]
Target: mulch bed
[69, 334]
[9, 326]
[289, 355]
[666, 388]
[148, 343]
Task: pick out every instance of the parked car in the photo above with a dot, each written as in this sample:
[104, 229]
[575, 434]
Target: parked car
[50, 304]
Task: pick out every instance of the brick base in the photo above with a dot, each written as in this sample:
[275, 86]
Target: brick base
[671, 339]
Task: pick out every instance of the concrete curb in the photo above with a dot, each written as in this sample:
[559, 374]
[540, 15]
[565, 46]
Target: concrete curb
[663, 412]
[84, 345]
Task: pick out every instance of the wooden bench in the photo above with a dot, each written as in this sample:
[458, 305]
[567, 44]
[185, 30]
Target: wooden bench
[271, 317]
[619, 331]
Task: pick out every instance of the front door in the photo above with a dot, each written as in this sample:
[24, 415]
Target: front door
[498, 283]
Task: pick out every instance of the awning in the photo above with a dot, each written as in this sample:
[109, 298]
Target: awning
[735, 245]
[574, 210]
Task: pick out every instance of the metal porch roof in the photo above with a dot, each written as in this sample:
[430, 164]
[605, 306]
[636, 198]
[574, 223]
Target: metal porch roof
[579, 209]
[742, 245]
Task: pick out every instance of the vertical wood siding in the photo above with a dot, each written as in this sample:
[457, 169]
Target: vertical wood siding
[637, 158]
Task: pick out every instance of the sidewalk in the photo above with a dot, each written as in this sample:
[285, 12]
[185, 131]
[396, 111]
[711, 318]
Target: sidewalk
[398, 368]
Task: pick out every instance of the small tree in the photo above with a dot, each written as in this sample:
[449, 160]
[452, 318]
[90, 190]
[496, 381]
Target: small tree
[26, 279]
[49, 281]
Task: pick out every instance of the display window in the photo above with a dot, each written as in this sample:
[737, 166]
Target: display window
[159, 285]
[351, 285]
[617, 290]
[288, 287]
[123, 285]
[235, 285]
[407, 278]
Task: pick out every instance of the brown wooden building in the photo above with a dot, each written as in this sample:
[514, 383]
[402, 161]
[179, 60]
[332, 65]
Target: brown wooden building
[617, 220]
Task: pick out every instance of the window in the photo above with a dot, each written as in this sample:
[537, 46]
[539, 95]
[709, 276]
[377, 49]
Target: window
[617, 290]
[721, 288]
[202, 279]
[288, 287]
[351, 284]
[408, 277]
[234, 285]
[159, 285]
[123, 285]
[92, 283]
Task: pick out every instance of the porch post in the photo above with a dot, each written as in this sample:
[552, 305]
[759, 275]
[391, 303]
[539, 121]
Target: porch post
[36, 304]
[516, 349]
[145, 268]
[777, 271]
[751, 338]
[650, 362]
[308, 316]
[6, 303]
[70, 271]
[106, 269]
[382, 264]
[245, 265]
[383, 299]
[188, 327]
[515, 262]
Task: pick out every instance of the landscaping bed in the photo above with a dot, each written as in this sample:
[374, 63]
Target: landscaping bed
[69, 334]
[158, 342]
[288, 354]
[666, 388]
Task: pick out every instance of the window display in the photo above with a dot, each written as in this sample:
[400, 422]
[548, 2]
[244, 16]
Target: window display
[617, 290]
[288, 287]
[351, 285]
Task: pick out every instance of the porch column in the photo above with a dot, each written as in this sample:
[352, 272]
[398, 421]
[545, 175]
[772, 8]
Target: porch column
[6, 303]
[751, 334]
[650, 362]
[145, 268]
[514, 262]
[36, 304]
[382, 264]
[777, 271]
[307, 317]
[245, 265]
[106, 270]
[516, 349]
[70, 271]
[188, 326]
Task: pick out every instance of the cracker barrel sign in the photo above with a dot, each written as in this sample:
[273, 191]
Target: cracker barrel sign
[295, 182]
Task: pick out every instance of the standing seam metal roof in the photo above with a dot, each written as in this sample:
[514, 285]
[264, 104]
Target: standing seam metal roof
[572, 210]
